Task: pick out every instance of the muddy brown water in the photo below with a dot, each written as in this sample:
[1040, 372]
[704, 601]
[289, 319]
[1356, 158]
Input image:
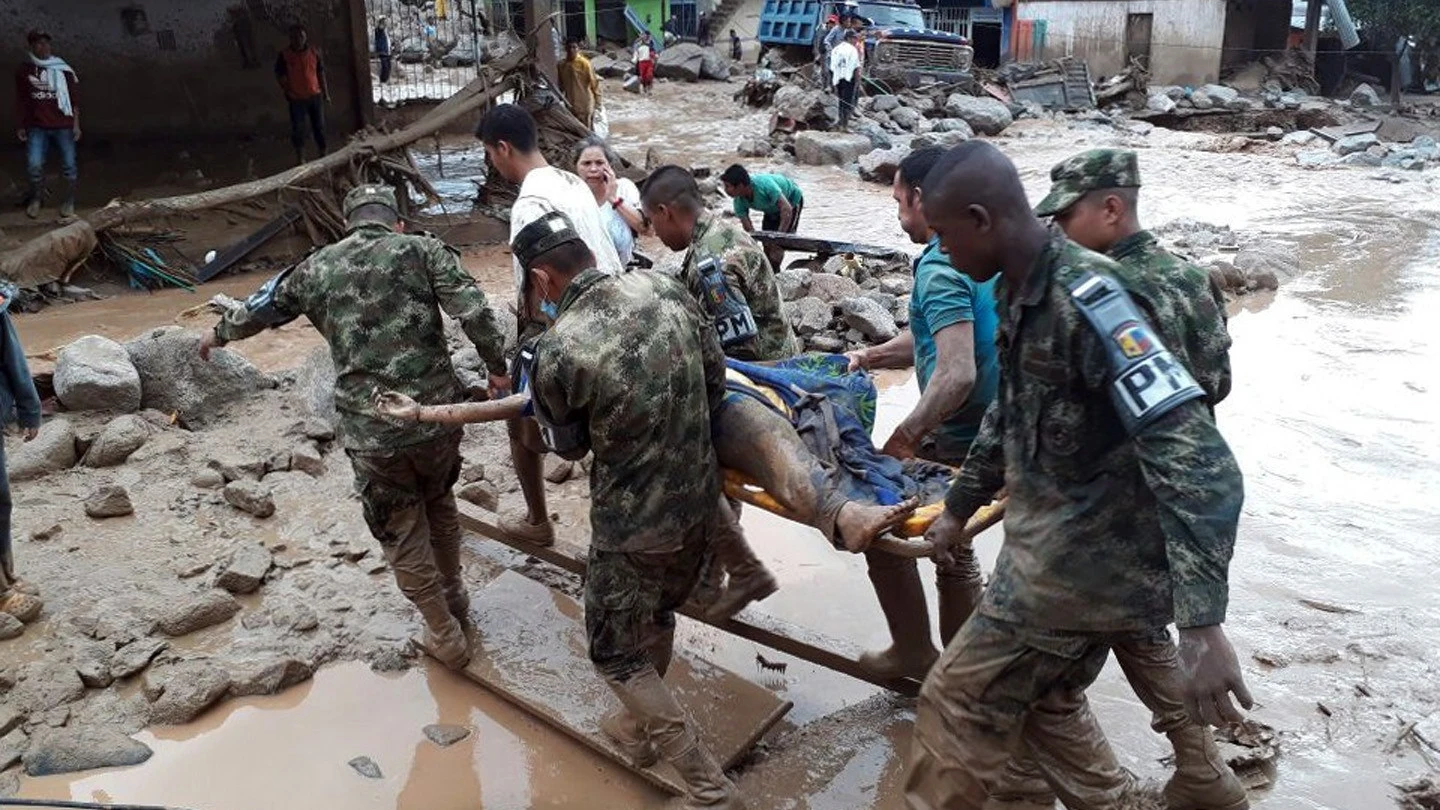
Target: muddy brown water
[1333, 417]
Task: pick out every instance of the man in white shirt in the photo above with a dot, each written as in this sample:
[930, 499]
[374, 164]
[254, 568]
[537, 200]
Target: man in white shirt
[511, 142]
[845, 72]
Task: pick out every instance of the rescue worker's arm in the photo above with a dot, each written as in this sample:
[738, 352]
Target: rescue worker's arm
[1222, 388]
[462, 299]
[787, 212]
[949, 386]
[897, 352]
[980, 479]
[714, 359]
[277, 302]
[19, 380]
[402, 408]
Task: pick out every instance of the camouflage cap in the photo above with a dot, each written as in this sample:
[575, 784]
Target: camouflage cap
[370, 195]
[541, 236]
[1096, 169]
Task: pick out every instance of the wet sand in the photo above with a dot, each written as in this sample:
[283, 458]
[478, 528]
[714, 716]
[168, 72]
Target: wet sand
[1333, 418]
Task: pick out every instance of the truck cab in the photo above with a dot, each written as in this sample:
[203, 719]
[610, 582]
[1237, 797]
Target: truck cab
[899, 49]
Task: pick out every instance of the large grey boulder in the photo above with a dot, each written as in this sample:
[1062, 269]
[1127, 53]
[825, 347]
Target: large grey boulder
[881, 165]
[683, 60]
[174, 379]
[986, 116]
[197, 613]
[1220, 95]
[1159, 102]
[68, 750]
[832, 289]
[818, 109]
[42, 685]
[945, 139]
[186, 690]
[117, 441]
[870, 318]
[52, 450]
[714, 67]
[1365, 96]
[793, 283]
[96, 374]
[810, 316]
[829, 148]
[1351, 144]
[246, 570]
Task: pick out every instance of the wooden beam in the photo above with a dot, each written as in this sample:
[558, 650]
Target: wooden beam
[1312, 28]
[751, 625]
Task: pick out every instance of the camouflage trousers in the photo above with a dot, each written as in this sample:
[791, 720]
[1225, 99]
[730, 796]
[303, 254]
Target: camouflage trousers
[1001, 689]
[409, 507]
[631, 599]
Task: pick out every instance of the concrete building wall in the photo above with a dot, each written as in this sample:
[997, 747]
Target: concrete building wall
[1186, 38]
[154, 69]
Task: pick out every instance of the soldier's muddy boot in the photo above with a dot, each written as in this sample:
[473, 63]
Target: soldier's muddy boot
[902, 600]
[626, 732]
[649, 701]
[24, 607]
[457, 599]
[959, 596]
[1022, 787]
[1202, 780]
[519, 526]
[749, 579]
[444, 637]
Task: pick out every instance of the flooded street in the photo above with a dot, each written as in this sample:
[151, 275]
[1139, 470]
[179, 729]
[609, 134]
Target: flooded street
[1333, 416]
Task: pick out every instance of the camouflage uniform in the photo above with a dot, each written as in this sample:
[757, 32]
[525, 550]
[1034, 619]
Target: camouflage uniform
[1189, 306]
[1188, 310]
[750, 278]
[1108, 536]
[631, 357]
[375, 296]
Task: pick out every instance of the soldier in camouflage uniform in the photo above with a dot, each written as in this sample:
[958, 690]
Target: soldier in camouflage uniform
[376, 297]
[1121, 517]
[630, 371]
[1094, 199]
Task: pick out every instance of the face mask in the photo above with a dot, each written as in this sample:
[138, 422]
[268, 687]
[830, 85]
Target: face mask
[549, 309]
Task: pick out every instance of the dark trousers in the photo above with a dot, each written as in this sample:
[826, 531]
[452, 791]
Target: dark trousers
[384, 69]
[314, 109]
[845, 89]
[7, 561]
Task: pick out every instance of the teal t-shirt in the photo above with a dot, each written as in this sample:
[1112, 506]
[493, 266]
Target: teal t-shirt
[766, 190]
[943, 296]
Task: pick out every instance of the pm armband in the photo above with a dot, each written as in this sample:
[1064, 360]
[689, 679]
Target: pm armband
[1145, 380]
[734, 322]
[261, 304]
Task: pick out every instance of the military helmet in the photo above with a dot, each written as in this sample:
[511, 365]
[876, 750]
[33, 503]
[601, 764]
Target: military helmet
[541, 236]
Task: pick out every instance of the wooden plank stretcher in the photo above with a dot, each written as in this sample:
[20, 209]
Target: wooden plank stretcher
[529, 648]
[750, 624]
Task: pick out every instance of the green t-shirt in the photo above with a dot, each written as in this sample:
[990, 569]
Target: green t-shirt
[765, 191]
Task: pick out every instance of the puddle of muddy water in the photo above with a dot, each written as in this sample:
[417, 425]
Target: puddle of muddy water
[290, 751]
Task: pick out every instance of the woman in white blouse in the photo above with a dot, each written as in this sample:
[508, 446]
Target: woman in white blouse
[618, 198]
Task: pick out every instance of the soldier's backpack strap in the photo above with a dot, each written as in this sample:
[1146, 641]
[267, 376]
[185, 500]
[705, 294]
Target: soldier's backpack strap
[566, 439]
[734, 323]
[1146, 381]
[261, 303]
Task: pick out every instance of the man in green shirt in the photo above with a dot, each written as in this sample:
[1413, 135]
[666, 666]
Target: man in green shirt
[775, 196]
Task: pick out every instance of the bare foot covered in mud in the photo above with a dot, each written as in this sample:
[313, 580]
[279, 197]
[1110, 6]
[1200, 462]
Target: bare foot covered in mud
[859, 524]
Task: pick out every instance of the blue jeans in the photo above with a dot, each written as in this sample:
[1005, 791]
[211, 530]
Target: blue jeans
[7, 562]
[37, 147]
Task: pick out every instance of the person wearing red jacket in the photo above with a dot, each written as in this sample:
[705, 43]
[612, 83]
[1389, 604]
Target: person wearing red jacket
[49, 115]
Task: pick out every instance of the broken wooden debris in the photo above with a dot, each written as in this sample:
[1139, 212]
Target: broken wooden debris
[228, 257]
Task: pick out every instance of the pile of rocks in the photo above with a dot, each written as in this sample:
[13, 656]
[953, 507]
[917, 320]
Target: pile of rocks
[1237, 266]
[849, 303]
[1365, 150]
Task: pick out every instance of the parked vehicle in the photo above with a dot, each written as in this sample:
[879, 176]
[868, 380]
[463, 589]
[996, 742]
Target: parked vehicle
[899, 49]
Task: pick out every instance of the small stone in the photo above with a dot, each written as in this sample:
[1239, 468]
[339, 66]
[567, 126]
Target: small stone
[277, 462]
[270, 677]
[305, 620]
[366, 767]
[187, 689]
[45, 535]
[122, 437]
[191, 569]
[9, 719]
[316, 430]
[896, 285]
[247, 569]
[109, 501]
[307, 459]
[93, 663]
[133, 658]
[197, 613]
[251, 497]
[826, 343]
[69, 750]
[1274, 660]
[208, 479]
[560, 472]
[483, 494]
[445, 735]
[472, 472]
[12, 748]
[10, 627]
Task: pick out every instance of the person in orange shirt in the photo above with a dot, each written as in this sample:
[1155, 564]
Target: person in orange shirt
[300, 70]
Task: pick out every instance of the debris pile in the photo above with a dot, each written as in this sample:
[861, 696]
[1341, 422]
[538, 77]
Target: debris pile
[1319, 149]
[1238, 268]
[847, 302]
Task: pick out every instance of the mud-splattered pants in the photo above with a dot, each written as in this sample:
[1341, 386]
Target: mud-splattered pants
[631, 599]
[408, 503]
[999, 689]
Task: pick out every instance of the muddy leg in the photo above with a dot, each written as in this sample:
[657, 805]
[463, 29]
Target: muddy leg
[530, 469]
[444, 517]
[902, 599]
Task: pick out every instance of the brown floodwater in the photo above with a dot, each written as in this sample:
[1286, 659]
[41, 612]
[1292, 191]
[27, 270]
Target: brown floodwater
[1333, 417]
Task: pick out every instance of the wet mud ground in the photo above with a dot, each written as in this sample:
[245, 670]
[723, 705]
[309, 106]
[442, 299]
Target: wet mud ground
[1333, 599]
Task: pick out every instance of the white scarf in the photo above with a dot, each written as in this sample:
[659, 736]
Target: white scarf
[55, 70]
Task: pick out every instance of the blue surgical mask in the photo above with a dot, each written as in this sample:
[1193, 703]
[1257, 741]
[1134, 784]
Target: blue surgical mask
[549, 309]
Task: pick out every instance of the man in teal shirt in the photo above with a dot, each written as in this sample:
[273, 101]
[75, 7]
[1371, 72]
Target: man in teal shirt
[775, 196]
[951, 341]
